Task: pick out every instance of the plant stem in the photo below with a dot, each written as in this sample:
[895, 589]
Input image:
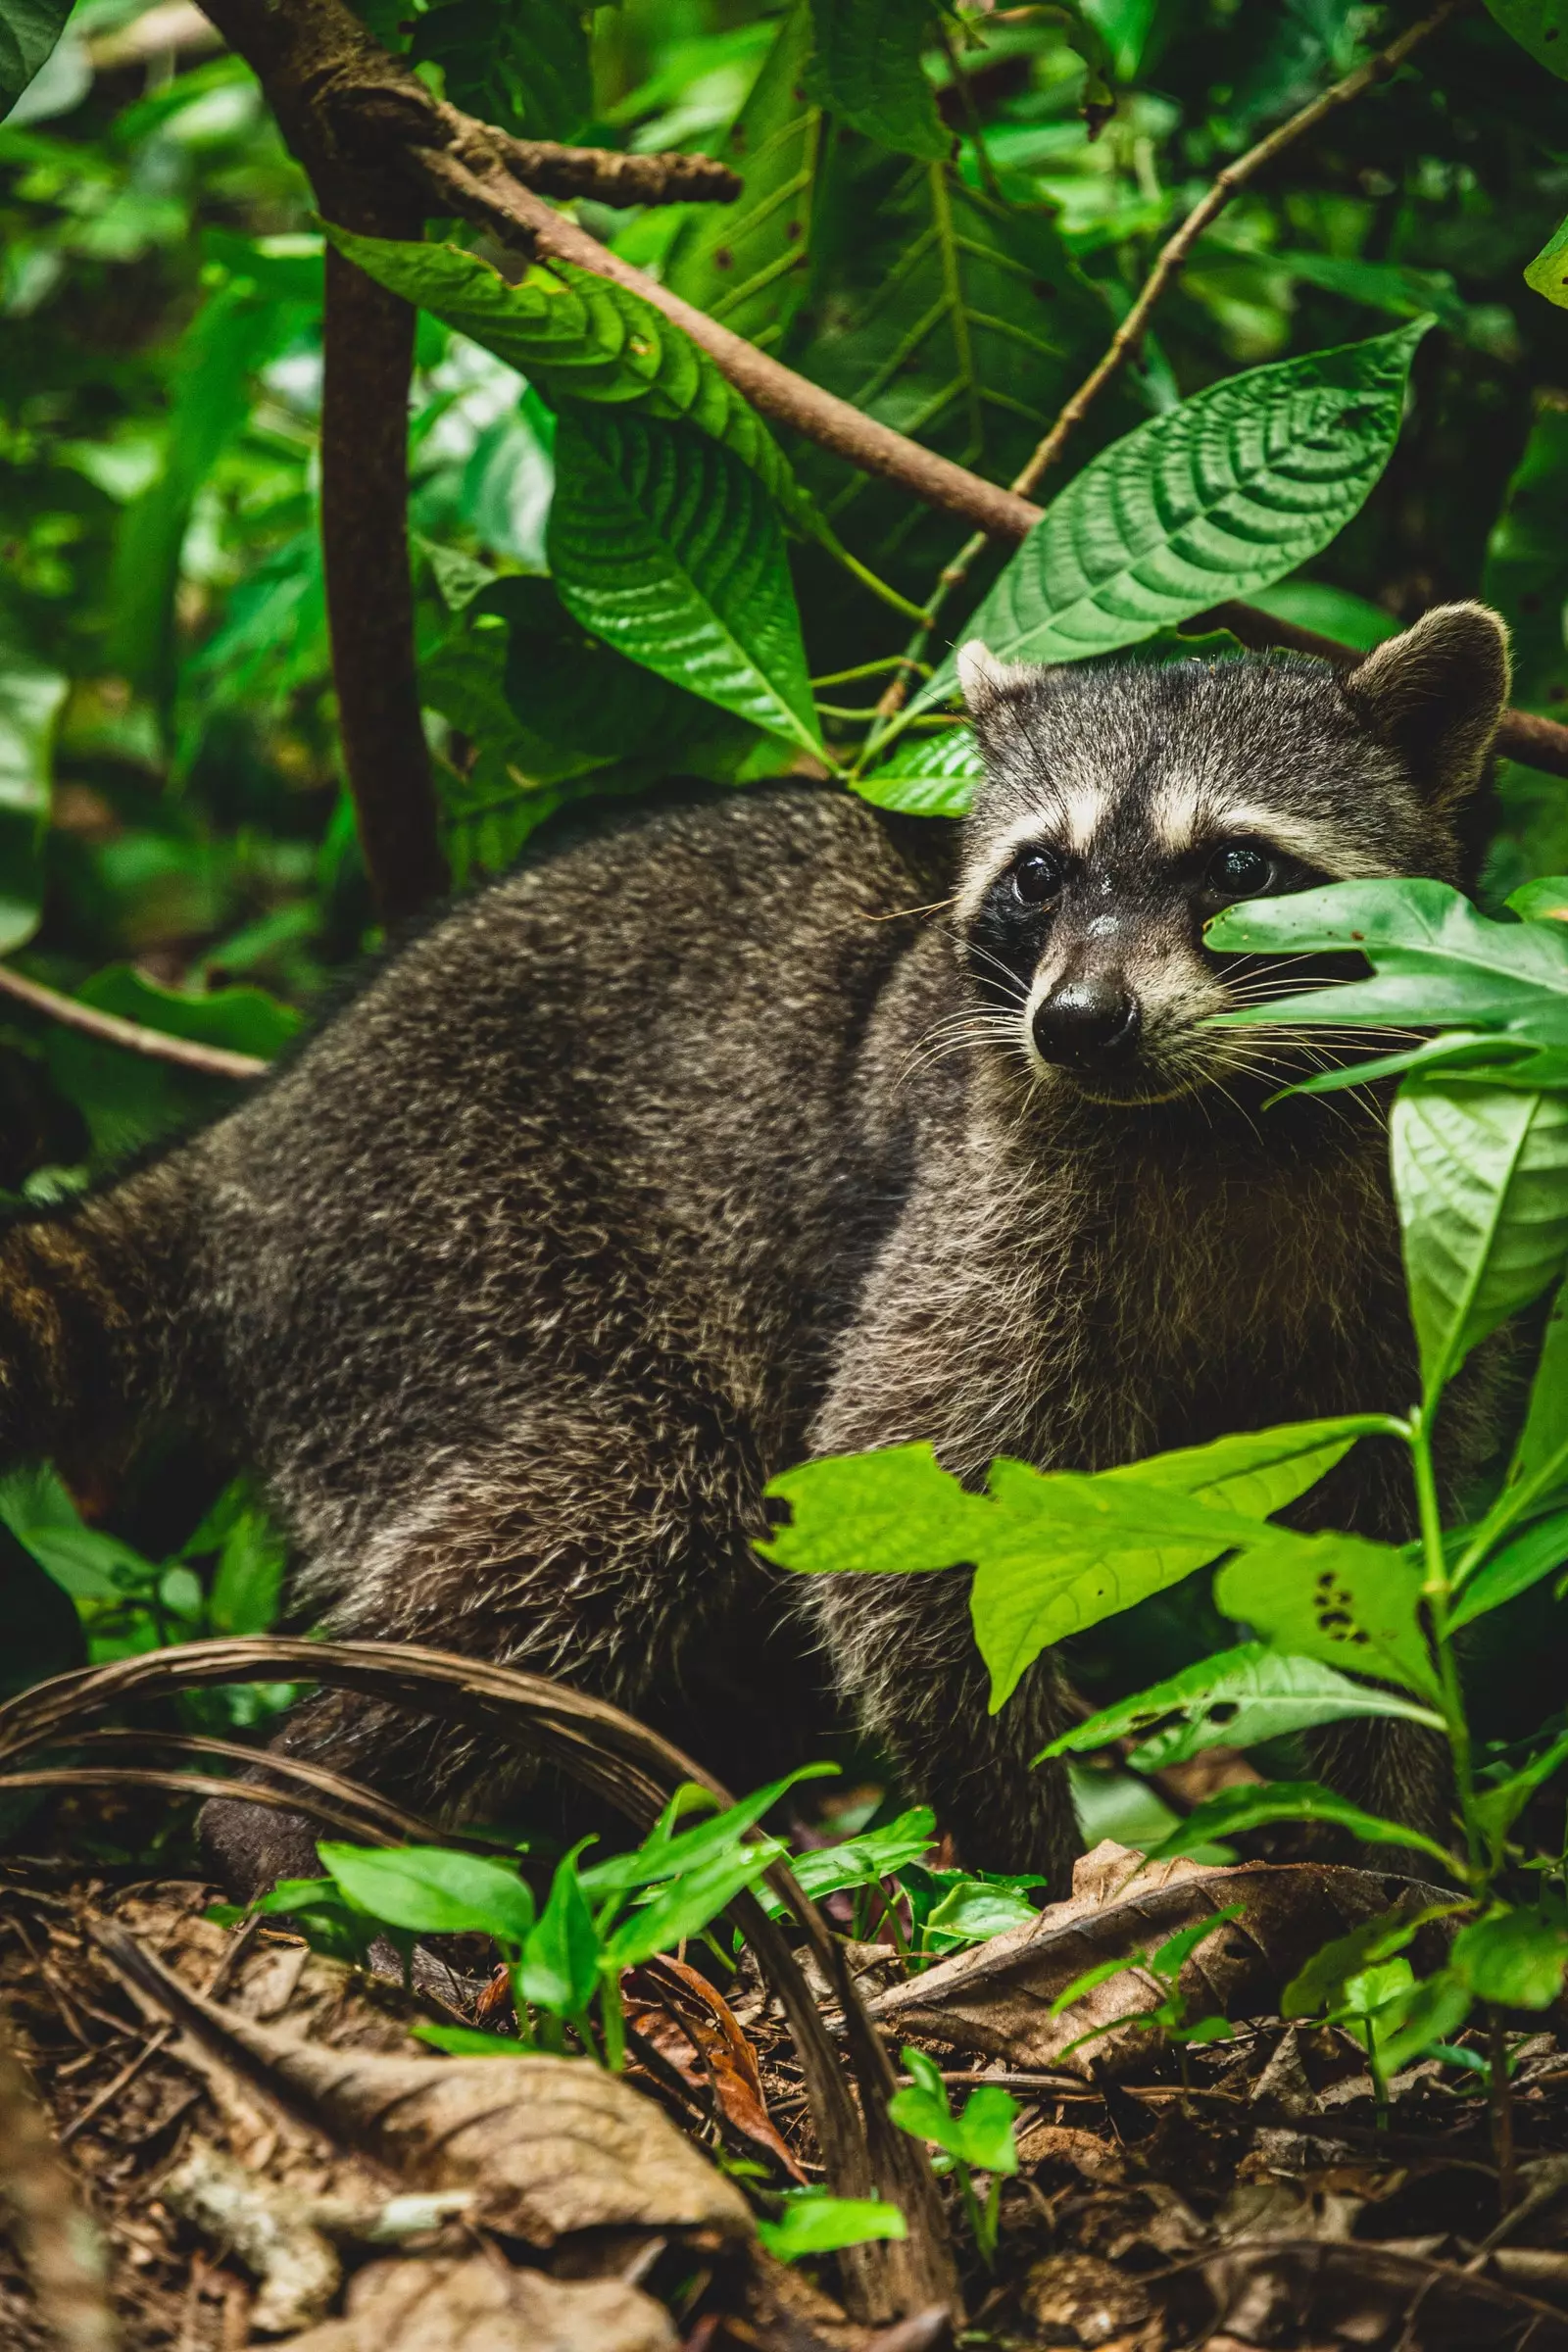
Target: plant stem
[972, 2207]
[1380, 2081]
[613, 2021]
[1435, 1592]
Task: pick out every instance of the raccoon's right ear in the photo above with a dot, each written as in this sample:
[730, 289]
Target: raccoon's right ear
[1435, 696]
[985, 680]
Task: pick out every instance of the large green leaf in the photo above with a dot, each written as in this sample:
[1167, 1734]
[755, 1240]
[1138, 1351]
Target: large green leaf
[29, 32]
[747, 263]
[526, 67]
[1544, 1436]
[1513, 1569]
[30, 698]
[1054, 1553]
[577, 337]
[867, 72]
[927, 775]
[1525, 571]
[663, 544]
[1538, 25]
[959, 322]
[1222, 495]
[1351, 1603]
[127, 1099]
[1238, 1699]
[434, 1889]
[1481, 1179]
[1235, 1810]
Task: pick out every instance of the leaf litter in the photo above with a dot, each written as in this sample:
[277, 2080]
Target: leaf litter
[289, 2166]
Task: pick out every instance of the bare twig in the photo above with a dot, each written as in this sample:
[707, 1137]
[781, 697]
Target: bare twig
[237, 1948]
[211, 1061]
[603, 173]
[1235, 176]
[57, 2242]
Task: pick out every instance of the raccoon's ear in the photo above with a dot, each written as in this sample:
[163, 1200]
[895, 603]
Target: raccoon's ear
[984, 680]
[1435, 696]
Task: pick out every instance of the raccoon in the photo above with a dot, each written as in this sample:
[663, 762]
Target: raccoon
[727, 1136]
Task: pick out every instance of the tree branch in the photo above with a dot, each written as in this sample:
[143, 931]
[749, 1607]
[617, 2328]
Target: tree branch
[368, 100]
[1235, 176]
[107, 1028]
[603, 173]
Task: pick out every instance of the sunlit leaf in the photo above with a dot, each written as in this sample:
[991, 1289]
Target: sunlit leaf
[561, 1958]
[1238, 1699]
[1232, 490]
[1516, 1957]
[1351, 1603]
[1235, 1810]
[926, 775]
[433, 1889]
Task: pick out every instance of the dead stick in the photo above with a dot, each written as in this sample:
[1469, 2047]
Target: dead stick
[1235, 176]
[107, 1028]
[57, 2242]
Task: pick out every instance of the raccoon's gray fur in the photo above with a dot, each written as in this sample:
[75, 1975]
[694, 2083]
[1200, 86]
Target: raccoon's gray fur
[706, 1144]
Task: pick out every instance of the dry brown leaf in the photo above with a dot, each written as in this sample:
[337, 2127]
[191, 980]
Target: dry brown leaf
[1308, 2291]
[997, 1998]
[694, 2029]
[1084, 2152]
[555, 2145]
[473, 2305]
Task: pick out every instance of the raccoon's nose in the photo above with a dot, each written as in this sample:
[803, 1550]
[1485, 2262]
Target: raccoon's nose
[1087, 1021]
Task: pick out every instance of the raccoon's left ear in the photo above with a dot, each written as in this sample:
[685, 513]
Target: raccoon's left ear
[984, 680]
[1435, 695]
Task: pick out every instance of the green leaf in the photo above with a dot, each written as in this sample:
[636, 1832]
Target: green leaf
[1256, 1471]
[867, 72]
[1497, 1809]
[810, 2222]
[1545, 1435]
[1538, 25]
[1322, 1982]
[1429, 2012]
[1481, 1179]
[1338, 1599]
[83, 1561]
[29, 32]
[685, 1905]
[1437, 962]
[1513, 1570]
[1526, 570]
[578, 337]
[469, 2041]
[128, 1100]
[31, 696]
[668, 1854]
[1548, 274]
[862, 1861]
[1235, 1810]
[981, 2135]
[746, 263]
[971, 1912]
[1514, 1957]
[432, 1889]
[985, 2129]
[1240, 1698]
[669, 549]
[249, 1581]
[526, 69]
[561, 1958]
[1175, 1952]
[927, 775]
[887, 1512]
[1232, 490]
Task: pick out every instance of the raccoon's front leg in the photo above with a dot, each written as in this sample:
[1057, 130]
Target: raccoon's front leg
[903, 1657]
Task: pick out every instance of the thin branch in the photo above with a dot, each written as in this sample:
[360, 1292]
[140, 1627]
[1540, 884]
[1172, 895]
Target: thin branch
[603, 173]
[1228, 183]
[57, 2244]
[211, 1061]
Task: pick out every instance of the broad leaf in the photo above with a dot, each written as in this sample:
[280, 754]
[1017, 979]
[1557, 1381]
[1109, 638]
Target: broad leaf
[927, 775]
[1257, 1471]
[1224, 494]
[29, 32]
[663, 543]
[1538, 25]
[31, 696]
[524, 67]
[887, 1512]
[862, 1861]
[747, 263]
[1235, 1810]
[1437, 961]
[84, 1562]
[561, 1958]
[1515, 1958]
[810, 2222]
[667, 1855]
[1513, 1569]
[1321, 1984]
[1337, 1599]
[1548, 274]
[683, 1906]
[127, 1099]
[577, 337]
[1497, 1808]
[867, 72]
[1481, 1177]
[433, 1889]
[1238, 1699]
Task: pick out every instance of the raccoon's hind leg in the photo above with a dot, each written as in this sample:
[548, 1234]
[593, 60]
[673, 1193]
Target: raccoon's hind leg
[599, 1544]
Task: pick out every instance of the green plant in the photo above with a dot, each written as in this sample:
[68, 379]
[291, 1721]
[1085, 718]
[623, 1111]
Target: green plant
[979, 2138]
[1172, 2016]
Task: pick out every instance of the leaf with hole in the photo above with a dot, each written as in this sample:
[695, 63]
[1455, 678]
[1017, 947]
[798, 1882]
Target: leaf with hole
[1351, 1603]
[665, 545]
[1538, 25]
[1238, 1699]
[1227, 493]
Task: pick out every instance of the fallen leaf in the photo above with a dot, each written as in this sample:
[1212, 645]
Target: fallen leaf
[269, 2230]
[692, 2026]
[473, 2305]
[555, 2145]
[1083, 2152]
[1306, 2291]
[997, 1998]
[1079, 2299]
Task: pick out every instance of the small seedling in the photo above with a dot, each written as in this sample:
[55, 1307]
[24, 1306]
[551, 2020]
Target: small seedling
[980, 2139]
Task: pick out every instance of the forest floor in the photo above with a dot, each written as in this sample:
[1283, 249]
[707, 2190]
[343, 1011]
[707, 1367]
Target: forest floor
[290, 2184]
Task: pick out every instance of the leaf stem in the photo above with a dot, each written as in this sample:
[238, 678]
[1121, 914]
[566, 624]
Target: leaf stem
[1436, 1592]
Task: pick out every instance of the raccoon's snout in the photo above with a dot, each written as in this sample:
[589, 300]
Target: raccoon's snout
[1089, 1023]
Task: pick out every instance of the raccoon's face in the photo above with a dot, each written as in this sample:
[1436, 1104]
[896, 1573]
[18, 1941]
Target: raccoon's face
[1125, 804]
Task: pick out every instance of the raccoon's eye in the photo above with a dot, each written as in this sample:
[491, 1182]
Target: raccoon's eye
[1036, 877]
[1237, 870]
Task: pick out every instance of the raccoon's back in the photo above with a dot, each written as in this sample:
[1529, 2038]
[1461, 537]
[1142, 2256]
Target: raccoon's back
[596, 1122]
